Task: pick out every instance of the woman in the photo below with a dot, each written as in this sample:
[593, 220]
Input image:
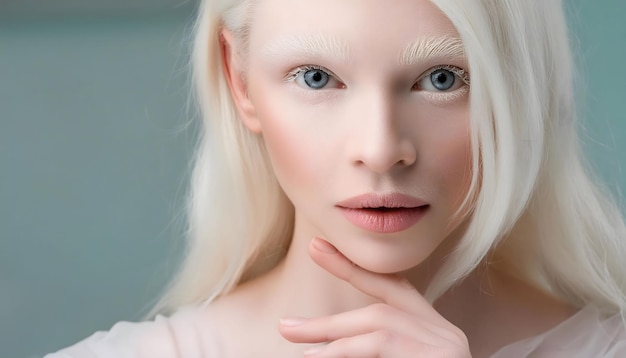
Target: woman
[388, 180]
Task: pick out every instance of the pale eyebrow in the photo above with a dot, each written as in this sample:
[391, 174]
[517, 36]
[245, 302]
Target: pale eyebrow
[309, 45]
[432, 47]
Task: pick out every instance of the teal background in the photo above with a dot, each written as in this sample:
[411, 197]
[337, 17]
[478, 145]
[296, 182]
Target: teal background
[95, 141]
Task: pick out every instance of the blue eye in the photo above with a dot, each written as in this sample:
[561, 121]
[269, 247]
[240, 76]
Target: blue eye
[442, 79]
[313, 78]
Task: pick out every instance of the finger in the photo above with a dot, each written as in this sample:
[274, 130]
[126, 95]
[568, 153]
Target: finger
[366, 345]
[372, 318]
[389, 288]
[379, 344]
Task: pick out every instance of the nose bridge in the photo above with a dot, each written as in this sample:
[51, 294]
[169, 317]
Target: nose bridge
[382, 143]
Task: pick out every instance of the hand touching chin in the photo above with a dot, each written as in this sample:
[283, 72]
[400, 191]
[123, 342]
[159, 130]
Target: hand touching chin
[403, 324]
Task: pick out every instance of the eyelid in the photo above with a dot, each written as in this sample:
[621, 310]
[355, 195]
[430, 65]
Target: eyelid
[444, 97]
[461, 73]
[301, 69]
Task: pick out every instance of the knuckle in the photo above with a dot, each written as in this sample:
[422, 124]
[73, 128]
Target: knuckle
[453, 334]
[385, 337]
[460, 336]
[457, 348]
[380, 310]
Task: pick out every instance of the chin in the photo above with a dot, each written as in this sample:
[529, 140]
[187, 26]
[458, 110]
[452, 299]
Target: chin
[385, 259]
[388, 266]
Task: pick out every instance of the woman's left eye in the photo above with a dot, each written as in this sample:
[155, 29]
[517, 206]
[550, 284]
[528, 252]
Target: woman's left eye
[312, 77]
[443, 79]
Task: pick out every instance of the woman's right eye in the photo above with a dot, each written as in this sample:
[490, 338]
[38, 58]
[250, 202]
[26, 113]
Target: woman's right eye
[313, 77]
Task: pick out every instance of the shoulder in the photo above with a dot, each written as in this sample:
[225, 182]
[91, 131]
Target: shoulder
[187, 333]
[588, 333]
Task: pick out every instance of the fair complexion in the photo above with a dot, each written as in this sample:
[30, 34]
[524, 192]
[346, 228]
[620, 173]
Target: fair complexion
[376, 126]
[352, 98]
[403, 324]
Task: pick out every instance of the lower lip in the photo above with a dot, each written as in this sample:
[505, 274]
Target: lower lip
[385, 221]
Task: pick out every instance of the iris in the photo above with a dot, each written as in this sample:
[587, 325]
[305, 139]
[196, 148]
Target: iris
[315, 78]
[442, 79]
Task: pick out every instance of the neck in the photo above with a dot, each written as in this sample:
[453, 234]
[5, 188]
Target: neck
[305, 289]
[493, 309]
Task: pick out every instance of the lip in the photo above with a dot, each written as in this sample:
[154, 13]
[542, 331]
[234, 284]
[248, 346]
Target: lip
[383, 213]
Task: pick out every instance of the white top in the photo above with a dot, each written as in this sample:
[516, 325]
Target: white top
[185, 335]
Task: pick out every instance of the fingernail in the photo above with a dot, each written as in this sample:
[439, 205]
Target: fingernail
[292, 322]
[313, 350]
[324, 246]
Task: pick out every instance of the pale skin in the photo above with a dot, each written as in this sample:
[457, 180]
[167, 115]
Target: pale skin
[376, 125]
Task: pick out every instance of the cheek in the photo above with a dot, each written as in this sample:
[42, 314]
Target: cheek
[293, 144]
[455, 161]
[450, 160]
[290, 152]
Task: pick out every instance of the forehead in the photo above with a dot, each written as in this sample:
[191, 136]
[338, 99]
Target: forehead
[358, 27]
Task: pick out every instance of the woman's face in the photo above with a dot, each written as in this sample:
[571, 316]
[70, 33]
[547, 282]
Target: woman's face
[363, 106]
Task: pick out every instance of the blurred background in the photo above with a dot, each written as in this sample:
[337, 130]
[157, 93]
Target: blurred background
[95, 141]
[94, 145]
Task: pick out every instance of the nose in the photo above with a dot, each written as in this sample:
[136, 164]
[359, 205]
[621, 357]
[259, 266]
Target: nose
[381, 141]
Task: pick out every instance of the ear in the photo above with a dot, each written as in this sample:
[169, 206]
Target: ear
[233, 72]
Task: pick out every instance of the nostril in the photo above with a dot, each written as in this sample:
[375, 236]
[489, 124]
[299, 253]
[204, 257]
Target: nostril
[383, 150]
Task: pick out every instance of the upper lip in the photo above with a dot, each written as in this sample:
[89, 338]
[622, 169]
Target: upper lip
[382, 200]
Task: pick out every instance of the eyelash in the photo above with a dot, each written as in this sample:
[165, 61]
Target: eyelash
[293, 74]
[459, 72]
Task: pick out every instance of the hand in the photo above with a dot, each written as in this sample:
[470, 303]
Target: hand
[404, 324]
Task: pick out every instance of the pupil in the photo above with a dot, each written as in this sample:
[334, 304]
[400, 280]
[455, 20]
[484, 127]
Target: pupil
[316, 79]
[442, 79]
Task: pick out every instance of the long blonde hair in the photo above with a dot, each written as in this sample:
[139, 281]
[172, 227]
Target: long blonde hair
[534, 206]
